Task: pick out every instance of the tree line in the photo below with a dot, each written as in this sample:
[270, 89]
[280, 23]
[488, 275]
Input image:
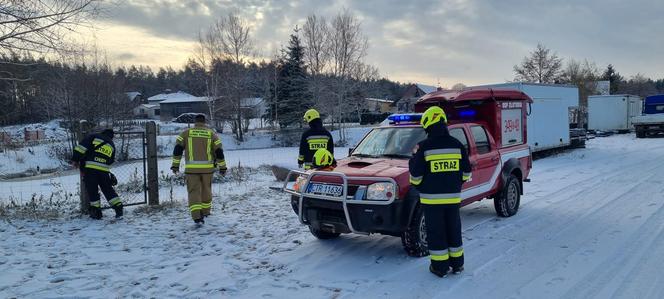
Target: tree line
[321, 67]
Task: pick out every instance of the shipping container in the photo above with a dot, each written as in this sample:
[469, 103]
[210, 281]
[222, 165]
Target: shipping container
[613, 112]
[549, 114]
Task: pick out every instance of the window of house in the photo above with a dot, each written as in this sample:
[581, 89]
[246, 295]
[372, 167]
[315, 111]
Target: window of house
[156, 112]
[481, 140]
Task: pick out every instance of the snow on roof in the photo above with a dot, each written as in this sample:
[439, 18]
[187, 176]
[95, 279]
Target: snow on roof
[132, 94]
[426, 88]
[167, 96]
[379, 100]
[150, 106]
[175, 97]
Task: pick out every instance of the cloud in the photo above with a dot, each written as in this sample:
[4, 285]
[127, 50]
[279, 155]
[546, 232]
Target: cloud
[451, 40]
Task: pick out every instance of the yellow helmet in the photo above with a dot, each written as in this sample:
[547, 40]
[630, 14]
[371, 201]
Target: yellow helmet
[310, 115]
[433, 115]
[323, 158]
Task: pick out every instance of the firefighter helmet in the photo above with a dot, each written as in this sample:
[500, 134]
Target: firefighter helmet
[310, 115]
[323, 158]
[433, 115]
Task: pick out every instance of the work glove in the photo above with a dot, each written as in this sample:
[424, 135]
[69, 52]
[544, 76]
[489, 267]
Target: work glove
[223, 170]
[175, 169]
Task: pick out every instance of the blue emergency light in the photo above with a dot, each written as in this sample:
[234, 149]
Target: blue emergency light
[413, 118]
[467, 113]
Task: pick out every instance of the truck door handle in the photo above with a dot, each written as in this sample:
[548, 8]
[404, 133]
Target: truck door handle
[494, 159]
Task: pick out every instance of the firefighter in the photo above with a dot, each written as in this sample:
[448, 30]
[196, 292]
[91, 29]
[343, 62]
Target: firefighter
[203, 154]
[94, 155]
[438, 168]
[316, 137]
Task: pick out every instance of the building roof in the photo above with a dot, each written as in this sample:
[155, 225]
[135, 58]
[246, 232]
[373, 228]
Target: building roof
[132, 94]
[379, 100]
[149, 106]
[170, 96]
[426, 88]
[175, 97]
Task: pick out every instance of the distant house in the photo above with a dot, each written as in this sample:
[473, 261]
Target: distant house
[151, 111]
[182, 102]
[410, 96]
[135, 97]
[379, 105]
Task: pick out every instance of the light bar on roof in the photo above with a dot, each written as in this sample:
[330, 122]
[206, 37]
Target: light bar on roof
[413, 118]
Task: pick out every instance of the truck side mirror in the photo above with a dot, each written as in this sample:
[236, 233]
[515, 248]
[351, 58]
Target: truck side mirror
[350, 150]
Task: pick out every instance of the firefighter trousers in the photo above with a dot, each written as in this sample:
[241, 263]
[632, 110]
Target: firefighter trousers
[444, 235]
[95, 180]
[199, 187]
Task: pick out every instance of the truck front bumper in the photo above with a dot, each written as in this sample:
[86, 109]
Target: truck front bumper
[348, 213]
[329, 216]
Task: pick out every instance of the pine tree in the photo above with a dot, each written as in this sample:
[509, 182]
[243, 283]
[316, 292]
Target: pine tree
[290, 95]
[611, 75]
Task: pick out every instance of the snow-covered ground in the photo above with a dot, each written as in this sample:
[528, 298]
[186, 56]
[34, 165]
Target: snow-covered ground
[591, 225]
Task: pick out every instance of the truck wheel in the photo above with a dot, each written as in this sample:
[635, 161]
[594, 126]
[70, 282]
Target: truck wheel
[507, 201]
[414, 239]
[640, 133]
[323, 235]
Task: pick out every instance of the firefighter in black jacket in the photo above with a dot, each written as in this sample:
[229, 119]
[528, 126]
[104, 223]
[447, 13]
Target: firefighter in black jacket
[94, 155]
[316, 137]
[438, 169]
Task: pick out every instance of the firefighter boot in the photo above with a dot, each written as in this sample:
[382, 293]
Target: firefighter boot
[437, 272]
[95, 213]
[457, 270]
[119, 210]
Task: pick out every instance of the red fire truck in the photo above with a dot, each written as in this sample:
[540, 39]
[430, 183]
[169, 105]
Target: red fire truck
[369, 191]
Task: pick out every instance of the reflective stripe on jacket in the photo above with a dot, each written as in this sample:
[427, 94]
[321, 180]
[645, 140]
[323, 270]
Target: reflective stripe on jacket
[201, 148]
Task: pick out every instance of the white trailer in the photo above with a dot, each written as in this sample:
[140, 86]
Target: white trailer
[613, 112]
[549, 118]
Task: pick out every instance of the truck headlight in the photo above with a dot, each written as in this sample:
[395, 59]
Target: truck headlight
[381, 191]
[299, 183]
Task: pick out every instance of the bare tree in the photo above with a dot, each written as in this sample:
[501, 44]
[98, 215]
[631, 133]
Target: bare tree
[225, 49]
[541, 66]
[41, 26]
[458, 86]
[348, 48]
[584, 76]
[317, 55]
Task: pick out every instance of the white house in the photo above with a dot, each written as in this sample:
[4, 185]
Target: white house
[150, 111]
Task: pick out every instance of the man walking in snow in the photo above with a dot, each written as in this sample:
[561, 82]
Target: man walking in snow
[313, 139]
[203, 154]
[94, 155]
[438, 169]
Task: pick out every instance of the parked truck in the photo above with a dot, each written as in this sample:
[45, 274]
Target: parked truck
[613, 112]
[369, 192]
[652, 120]
[549, 123]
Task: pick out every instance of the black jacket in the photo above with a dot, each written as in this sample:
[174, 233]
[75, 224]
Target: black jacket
[314, 138]
[439, 167]
[99, 159]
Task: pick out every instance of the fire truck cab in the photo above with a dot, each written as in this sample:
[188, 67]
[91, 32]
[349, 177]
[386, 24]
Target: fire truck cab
[369, 191]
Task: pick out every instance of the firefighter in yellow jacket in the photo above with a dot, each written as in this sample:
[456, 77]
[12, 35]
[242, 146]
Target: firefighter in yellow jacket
[203, 154]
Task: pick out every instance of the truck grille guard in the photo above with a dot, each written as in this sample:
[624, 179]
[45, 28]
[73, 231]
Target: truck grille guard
[343, 199]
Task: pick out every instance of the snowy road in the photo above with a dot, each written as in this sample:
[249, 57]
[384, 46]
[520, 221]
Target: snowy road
[591, 225]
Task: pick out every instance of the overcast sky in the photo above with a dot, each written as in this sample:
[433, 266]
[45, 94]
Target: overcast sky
[473, 42]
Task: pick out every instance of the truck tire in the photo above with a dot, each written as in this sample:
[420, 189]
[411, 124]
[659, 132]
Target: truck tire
[640, 132]
[508, 200]
[414, 239]
[323, 235]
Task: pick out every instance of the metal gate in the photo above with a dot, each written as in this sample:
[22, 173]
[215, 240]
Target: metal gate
[130, 168]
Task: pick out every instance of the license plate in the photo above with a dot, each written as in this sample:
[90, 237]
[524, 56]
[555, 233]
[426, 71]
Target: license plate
[324, 189]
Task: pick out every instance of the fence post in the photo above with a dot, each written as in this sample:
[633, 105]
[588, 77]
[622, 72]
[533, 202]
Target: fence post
[153, 171]
[83, 130]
